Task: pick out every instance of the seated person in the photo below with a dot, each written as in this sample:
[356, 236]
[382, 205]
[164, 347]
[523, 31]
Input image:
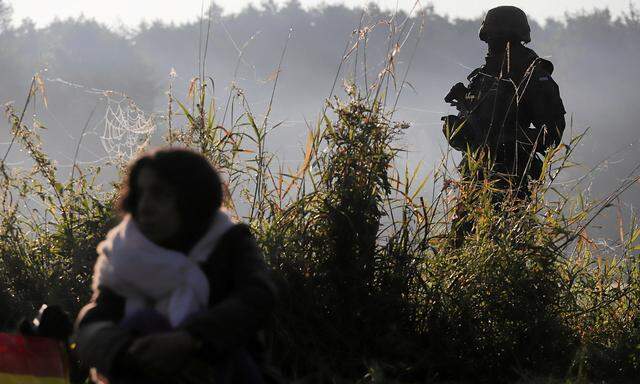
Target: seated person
[180, 291]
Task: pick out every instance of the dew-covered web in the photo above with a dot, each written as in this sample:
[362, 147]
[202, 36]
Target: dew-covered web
[127, 130]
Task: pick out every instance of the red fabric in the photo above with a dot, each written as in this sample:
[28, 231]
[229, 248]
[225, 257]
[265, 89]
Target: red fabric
[34, 356]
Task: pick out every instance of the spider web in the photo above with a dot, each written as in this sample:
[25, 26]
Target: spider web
[127, 130]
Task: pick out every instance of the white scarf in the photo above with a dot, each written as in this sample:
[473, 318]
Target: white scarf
[148, 275]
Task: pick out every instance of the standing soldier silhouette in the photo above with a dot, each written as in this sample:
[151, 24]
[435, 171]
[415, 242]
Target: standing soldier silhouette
[509, 114]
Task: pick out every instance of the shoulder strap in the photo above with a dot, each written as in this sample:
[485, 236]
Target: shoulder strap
[474, 73]
[545, 65]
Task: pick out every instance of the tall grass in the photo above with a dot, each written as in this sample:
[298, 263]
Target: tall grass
[49, 227]
[373, 287]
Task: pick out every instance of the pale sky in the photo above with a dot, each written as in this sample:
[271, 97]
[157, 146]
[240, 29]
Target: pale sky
[131, 12]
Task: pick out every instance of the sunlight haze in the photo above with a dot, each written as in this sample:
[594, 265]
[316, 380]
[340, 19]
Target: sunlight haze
[130, 13]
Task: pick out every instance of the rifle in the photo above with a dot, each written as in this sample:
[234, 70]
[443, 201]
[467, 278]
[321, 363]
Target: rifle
[457, 97]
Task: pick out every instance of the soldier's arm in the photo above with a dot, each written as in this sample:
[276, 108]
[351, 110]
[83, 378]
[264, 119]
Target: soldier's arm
[456, 129]
[544, 106]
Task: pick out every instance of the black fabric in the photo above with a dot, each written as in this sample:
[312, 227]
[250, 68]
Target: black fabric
[242, 296]
[512, 110]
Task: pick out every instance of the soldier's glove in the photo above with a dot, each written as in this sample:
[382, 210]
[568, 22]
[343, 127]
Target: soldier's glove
[456, 95]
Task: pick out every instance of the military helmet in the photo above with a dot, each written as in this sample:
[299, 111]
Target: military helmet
[506, 22]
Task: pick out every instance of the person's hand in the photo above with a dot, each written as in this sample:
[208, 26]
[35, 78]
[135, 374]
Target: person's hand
[97, 378]
[163, 353]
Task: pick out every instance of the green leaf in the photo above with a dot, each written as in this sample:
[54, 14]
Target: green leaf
[186, 112]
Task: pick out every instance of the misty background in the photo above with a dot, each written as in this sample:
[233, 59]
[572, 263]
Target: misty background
[595, 54]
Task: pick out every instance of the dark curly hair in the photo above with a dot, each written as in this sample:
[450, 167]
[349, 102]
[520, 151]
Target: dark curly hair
[195, 182]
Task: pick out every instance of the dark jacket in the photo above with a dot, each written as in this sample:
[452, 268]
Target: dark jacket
[513, 108]
[242, 297]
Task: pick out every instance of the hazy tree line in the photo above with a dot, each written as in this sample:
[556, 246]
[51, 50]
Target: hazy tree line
[595, 57]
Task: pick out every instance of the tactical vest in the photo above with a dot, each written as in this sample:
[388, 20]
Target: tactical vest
[494, 117]
[497, 114]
